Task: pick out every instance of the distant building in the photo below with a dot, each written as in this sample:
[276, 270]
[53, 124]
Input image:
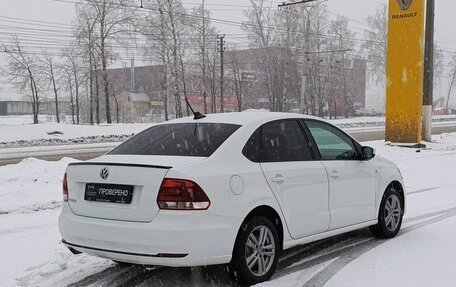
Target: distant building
[8, 108]
[133, 105]
[247, 65]
[144, 79]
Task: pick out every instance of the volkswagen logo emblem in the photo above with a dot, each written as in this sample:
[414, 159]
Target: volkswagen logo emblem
[104, 173]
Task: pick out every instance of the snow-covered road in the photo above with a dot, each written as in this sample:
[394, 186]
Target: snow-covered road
[424, 253]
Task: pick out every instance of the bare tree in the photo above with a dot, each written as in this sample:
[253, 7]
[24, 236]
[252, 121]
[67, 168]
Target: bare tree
[452, 81]
[175, 23]
[48, 69]
[340, 44]
[289, 41]
[259, 20]
[157, 48]
[84, 32]
[375, 43]
[67, 81]
[21, 70]
[75, 76]
[113, 20]
[439, 65]
[213, 76]
[204, 34]
[237, 83]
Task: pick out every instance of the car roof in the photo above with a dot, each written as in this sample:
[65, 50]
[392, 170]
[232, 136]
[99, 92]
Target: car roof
[242, 118]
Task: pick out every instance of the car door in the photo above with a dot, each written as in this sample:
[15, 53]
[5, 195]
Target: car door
[299, 183]
[352, 181]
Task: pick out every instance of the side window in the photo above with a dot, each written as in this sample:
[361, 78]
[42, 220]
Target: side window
[283, 141]
[332, 143]
[251, 149]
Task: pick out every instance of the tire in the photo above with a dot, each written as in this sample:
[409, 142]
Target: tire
[247, 247]
[390, 215]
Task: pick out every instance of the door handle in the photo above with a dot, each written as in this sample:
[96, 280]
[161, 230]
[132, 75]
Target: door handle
[278, 179]
[334, 174]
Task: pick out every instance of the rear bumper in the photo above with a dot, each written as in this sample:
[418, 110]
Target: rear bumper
[176, 239]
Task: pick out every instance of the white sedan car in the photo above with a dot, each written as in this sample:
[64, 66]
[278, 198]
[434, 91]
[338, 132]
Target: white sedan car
[232, 188]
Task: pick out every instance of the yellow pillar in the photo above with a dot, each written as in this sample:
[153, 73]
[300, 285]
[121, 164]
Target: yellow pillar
[404, 71]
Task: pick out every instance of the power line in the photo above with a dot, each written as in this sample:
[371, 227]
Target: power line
[295, 3]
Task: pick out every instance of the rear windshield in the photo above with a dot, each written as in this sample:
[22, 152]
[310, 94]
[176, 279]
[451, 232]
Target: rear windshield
[185, 139]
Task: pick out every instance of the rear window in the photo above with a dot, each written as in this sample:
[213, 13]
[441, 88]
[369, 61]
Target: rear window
[186, 139]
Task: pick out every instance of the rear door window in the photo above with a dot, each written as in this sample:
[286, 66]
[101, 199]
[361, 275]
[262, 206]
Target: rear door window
[182, 139]
[283, 141]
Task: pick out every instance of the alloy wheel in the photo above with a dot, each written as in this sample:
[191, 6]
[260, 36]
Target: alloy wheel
[260, 250]
[393, 211]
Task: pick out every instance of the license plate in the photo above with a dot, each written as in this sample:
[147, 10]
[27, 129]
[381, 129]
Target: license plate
[112, 193]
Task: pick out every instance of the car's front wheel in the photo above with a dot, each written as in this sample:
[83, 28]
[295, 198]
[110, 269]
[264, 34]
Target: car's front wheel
[390, 214]
[256, 252]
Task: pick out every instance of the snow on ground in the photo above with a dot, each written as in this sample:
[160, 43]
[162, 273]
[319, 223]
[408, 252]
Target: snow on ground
[31, 253]
[19, 131]
[426, 257]
[31, 185]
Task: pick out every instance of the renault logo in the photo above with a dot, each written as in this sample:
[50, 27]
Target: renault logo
[104, 173]
[405, 4]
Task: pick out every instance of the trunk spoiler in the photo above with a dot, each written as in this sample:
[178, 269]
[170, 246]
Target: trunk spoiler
[120, 164]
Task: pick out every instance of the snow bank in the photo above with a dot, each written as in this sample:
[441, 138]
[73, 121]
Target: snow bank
[31, 185]
[17, 131]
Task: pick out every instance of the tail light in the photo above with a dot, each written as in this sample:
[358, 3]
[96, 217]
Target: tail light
[65, 188]
[179, 194]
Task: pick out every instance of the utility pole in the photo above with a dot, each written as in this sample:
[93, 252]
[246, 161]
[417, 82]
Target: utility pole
[428, 72]
[305, 77]
[132, 76]
[204, 60]
[221, 42]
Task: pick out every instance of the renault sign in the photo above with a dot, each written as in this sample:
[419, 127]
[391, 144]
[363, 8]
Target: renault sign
[404, 71]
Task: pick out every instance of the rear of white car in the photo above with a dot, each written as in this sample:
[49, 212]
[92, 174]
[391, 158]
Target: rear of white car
[138, 208]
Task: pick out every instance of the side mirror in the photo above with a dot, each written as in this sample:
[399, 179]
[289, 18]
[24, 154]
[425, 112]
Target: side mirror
[368, 153]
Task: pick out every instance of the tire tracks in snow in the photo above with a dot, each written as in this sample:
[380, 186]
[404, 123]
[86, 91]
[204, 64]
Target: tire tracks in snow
[343, 248]
[37, 207]
[321, 278]
[117, 276]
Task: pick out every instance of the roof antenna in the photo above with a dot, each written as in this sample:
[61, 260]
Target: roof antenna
[197, 115]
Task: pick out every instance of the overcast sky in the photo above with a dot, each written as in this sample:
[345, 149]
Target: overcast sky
[356, 10]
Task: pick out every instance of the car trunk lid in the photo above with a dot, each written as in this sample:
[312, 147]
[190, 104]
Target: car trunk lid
[120, 187]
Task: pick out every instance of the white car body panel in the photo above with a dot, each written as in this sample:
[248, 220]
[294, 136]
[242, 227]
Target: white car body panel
[352, 189]
[303, 195]
[140, 232]
[204, 237]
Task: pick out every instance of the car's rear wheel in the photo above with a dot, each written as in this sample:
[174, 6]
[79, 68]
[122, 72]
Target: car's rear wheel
[390, 215]
[256, 252]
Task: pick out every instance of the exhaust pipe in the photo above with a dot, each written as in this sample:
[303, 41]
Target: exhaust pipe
[74, 251]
